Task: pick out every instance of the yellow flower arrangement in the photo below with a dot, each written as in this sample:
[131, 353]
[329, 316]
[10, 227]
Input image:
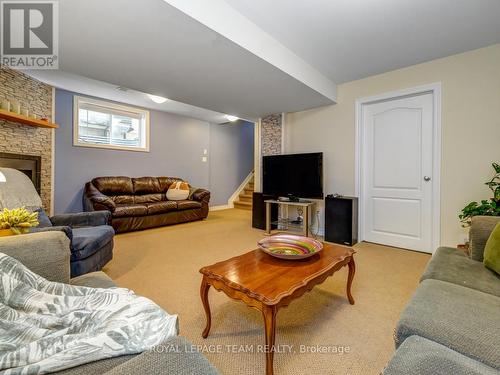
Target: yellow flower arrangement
[18, 220]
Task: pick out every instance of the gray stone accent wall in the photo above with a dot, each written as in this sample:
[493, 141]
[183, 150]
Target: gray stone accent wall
[271, 135]
[23, 139]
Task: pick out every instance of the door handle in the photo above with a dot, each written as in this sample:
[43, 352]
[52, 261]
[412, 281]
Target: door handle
[427, 178]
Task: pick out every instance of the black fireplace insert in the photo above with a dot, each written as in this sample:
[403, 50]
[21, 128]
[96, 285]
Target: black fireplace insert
[30, 165]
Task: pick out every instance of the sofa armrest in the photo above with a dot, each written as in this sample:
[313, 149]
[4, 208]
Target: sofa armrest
[94, 200]
[93, 280]
[201, 195]
[480, 230]
[174, 356]
[59, 228]
[46, 253]
[83, 219]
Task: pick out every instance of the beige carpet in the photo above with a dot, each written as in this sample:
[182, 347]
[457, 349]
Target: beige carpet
[163, 265]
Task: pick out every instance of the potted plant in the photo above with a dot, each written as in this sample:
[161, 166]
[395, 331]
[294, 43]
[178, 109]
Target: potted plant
[487, 207]
[17, 221]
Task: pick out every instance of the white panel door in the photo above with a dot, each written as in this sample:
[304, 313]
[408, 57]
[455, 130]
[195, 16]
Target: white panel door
[397, 165]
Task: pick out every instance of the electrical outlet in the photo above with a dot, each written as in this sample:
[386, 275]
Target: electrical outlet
[204, 159]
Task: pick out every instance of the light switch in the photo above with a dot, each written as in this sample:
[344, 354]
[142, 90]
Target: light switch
[204, 159]
[205, 151]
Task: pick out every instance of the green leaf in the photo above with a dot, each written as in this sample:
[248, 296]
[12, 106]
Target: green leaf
[485, 207]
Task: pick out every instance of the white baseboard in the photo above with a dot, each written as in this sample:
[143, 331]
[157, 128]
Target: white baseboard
[219, 208]
[232, 198]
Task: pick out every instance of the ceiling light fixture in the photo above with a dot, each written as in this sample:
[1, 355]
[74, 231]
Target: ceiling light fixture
[232, 118]
[157, 99]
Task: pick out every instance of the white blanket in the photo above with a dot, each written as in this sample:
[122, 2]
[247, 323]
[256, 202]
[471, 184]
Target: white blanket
[47, 326]
[18, 191]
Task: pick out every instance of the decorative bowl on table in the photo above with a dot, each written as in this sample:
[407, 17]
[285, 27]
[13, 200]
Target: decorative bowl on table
[289, 246]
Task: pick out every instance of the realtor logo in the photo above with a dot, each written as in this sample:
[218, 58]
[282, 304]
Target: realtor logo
[29, 34]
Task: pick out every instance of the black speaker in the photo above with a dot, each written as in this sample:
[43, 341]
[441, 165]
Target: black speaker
[259, 211]
[341, 220]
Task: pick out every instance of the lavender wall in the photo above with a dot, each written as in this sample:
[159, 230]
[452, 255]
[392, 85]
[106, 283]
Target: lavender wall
[231, 158]
[176, 149]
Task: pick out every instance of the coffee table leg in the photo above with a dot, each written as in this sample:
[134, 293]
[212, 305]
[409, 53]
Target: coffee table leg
[269, 313]
[205, 286]
[350, 277]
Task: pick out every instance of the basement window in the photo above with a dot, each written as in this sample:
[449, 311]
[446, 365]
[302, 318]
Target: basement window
[103, 124]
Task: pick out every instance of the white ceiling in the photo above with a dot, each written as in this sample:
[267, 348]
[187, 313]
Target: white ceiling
[250, 58]
[99, 89]
[152, 47]
[351, 39]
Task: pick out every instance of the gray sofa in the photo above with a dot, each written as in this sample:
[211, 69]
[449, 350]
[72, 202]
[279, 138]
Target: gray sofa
[452, 323]
[48, 254]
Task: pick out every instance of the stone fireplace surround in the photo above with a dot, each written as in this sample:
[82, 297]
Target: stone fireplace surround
[24, 140]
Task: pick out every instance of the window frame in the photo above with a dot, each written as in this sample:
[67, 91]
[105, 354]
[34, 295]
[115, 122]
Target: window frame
[78, 100]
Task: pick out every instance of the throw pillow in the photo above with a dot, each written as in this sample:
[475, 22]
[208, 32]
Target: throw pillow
[178, 191]
[492, 251]
[43, 219]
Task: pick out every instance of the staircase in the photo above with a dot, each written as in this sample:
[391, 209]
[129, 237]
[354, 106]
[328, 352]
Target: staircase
[244, 201]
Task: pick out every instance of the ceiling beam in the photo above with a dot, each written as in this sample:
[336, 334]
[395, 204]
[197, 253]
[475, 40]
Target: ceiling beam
[226, 21]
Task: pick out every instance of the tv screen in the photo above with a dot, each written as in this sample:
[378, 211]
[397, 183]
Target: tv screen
[300, 175]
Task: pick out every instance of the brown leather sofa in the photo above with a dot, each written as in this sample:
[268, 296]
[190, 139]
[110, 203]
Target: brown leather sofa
[140, 203]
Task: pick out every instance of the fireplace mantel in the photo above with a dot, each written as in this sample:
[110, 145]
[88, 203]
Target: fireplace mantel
[14, 117]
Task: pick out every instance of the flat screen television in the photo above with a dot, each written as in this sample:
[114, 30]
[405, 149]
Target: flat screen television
[299, 175]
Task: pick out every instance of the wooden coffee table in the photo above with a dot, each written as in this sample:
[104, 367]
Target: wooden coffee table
[267, 283]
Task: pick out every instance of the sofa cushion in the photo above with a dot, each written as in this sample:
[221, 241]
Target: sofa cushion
[97, 367]
[114, 185]
[187, 205]
[161, 207]
[419, 356]
[43, 219]
[175, 355]
[93, 280]
[463, 319]
[123, 199]
[149, 198]
[146, 185]
[452, 265]
[124, 210]
[88, 240]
